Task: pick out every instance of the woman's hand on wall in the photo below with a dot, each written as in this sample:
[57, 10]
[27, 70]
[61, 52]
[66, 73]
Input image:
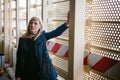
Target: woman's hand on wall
[67, 22]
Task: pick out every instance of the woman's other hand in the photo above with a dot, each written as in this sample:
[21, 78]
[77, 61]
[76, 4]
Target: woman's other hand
[18, 79]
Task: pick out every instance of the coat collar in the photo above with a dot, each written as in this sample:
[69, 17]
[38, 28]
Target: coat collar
[41, 38]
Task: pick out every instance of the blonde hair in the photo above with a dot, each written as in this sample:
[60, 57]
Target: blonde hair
[27, 33]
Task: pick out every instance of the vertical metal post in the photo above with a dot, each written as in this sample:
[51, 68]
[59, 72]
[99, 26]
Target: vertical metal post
[17, 22]
[76, 39]
[27, 11]
[6, 30]
[44, 13]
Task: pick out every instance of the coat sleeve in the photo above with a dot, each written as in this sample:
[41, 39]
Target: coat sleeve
[18, 62]
[57, 32]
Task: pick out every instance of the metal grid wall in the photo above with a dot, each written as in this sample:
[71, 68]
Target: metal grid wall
[57, 13]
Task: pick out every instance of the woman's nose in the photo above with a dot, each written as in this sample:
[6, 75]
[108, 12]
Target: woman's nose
[32, 24]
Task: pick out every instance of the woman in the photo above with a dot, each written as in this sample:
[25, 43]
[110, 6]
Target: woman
[33, 61]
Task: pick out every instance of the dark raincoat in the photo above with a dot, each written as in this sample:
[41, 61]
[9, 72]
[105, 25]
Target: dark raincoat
[46, 69]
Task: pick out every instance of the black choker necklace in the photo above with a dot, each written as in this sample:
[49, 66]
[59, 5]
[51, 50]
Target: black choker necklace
[33, 34]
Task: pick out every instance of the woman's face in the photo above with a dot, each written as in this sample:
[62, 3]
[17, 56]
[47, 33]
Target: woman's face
[34, 26]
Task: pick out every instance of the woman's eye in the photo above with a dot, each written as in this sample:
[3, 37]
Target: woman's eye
[35, 23]
[31, 23]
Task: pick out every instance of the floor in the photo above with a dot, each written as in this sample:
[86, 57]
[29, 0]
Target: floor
[5, 76]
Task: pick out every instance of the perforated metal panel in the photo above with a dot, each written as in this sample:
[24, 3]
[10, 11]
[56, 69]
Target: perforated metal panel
[106, 53]
[85, 76]
[102, 34]
[105, 35]
[88, 10]
[106, 10]
[95, 76]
